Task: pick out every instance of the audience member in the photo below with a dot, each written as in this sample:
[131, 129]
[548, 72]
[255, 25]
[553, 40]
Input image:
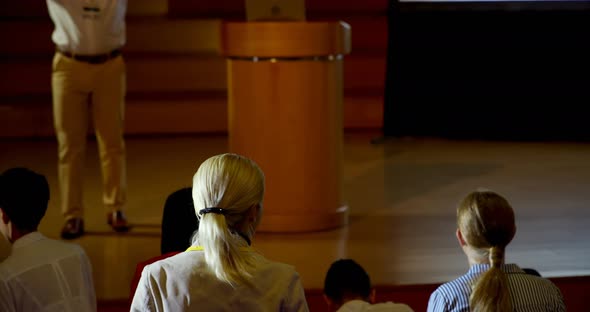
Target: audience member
[221, 271]
[179, 223]
[347, 288]
[486, 225]
[41, 274]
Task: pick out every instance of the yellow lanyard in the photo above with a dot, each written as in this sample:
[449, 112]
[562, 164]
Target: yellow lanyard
[200, 248]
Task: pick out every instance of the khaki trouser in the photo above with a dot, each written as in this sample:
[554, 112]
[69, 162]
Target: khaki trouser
[81, 89]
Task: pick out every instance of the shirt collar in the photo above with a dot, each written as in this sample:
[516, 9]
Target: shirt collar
[353, 306]
[477, 269]
[28, 239]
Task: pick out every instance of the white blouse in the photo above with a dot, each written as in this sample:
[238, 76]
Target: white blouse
[183, 283]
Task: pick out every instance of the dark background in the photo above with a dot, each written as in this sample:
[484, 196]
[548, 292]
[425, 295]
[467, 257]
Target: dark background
[488, 71]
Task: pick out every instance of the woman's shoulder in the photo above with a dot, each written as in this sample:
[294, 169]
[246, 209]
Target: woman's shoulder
[535, 283]
[279, 270]
[454, 293]
[275, 265]
[459, 284]
[179, 262]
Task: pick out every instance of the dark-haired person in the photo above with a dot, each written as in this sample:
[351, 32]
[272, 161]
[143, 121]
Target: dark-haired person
[221, 271]
[41, 274]
[179, 221]
[347, 288]
[179, 224]
[485, 226]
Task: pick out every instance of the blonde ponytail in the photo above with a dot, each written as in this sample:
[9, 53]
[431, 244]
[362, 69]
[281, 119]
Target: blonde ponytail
[236, 185]
[222, 253]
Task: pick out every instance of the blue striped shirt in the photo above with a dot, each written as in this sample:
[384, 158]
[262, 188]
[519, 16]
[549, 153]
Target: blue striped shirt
[528, 292]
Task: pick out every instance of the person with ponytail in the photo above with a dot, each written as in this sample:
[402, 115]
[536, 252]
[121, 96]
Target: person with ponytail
[221, 271]
[485, 226]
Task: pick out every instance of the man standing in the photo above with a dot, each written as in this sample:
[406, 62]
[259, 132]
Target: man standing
[40, 274]
[88, 78]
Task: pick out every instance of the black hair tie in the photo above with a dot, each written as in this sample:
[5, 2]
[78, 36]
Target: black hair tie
[216, 210]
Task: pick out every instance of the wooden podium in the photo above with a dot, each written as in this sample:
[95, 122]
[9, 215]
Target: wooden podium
[285, 112]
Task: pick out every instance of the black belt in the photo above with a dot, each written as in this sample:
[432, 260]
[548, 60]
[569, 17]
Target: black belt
[92, 59]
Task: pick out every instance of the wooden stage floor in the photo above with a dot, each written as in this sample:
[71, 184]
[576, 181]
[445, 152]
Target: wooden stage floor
[402, 195]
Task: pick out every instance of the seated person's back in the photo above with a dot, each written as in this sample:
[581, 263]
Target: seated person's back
[220, 271]
[486, 225]
[179, 223]
[274, 286]
[41, 274]
[347, 288]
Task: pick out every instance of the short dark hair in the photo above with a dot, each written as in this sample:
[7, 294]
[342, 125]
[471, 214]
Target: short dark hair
[24, 195]
[346, 278]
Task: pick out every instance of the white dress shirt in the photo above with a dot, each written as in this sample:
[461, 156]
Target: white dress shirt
[46, 275]
[363, 306]
[88, 27]
[183, 283]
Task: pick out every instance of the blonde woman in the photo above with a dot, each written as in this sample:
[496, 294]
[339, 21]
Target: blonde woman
[486, 225]
[220, 271]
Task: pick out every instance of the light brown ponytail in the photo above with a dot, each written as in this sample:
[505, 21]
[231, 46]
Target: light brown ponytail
[490, 292]
[486, 221]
